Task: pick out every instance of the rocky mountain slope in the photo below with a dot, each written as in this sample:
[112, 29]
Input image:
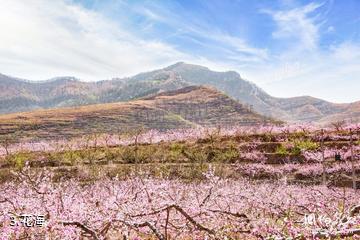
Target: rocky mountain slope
[302, 109]
[186, 107]
[19, 95]
[350, 113]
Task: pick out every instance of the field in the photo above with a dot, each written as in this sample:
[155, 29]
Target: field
[263, 182]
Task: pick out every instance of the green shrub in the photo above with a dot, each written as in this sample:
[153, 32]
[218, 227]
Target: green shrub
[229, 154]
[296, 147]
[136, 154]
[175, 152]
[18, 160]
[211, 154]
[128, 155]
[282, 150]
[296, 150]
[306, 145]
[195, 155]
[71, 157]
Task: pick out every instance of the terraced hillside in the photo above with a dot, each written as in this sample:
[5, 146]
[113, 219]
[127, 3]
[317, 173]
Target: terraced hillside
[187, 107]
[242, 152]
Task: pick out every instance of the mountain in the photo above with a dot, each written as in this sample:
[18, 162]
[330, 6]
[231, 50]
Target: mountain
[19, 95]
[351, 113]
[186, 107]
[302, 109]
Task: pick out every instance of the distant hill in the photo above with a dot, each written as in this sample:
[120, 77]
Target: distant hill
[17, 95]
[20, 95]
[350, 113]
[186, 107]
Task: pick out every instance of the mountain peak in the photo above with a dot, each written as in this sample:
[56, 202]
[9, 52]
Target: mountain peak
[62, 79]
[184, 65]
[175, 65]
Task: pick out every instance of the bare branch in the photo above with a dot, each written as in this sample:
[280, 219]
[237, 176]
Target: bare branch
[82, 227]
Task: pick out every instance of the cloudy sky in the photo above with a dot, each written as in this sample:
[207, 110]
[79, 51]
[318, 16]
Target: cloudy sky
[287, 47]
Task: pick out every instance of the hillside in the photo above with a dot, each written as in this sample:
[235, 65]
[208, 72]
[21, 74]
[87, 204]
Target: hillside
[351, 113]
[19, 95]
[302, 109]
[187, 107]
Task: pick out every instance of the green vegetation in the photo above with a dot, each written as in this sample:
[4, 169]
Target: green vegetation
[184, 159]
[282, 150]
[306, 145]
[209, 150]
[296, 147]
[18, 160]
[300, 146]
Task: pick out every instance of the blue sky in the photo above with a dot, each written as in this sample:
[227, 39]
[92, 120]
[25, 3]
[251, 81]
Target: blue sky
[287, 47]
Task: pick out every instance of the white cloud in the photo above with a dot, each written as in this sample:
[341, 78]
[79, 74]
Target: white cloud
[332, 74]
[41, 39]
[192, 28]
[240, 46]
[302, 67]
[297, 24]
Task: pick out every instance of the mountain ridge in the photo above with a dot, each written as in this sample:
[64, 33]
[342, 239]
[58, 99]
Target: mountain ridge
[18, 96]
